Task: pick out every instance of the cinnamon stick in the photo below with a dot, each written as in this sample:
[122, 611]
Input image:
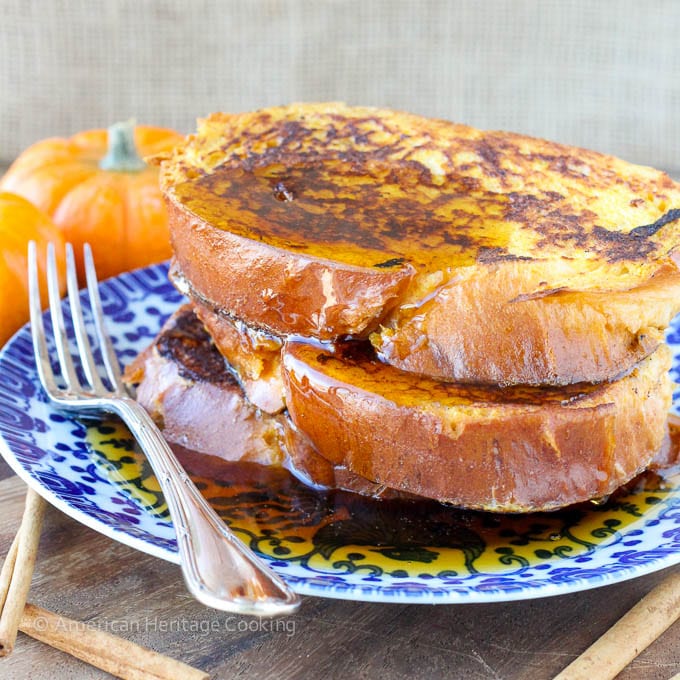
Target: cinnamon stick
[630, 635]
[112, 654]
[17, 571]
[8, 570]
[115, 655]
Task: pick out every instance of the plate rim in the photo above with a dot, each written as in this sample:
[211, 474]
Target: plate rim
[345, 591]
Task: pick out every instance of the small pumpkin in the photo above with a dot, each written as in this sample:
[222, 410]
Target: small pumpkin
[97, 189]
[21, 222]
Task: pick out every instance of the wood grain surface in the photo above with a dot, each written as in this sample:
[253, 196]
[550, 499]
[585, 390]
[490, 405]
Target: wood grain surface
[88, 577]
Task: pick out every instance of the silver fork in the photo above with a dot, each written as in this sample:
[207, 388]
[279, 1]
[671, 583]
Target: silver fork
[219, 569]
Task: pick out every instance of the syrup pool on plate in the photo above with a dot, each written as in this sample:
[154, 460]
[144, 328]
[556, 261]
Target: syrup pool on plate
[278, 516]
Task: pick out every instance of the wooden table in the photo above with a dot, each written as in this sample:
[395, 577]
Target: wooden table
[86, 576]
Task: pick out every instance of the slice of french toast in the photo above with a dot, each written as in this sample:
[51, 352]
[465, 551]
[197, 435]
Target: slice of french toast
[183, 382]
[502, 450]
[467, 255]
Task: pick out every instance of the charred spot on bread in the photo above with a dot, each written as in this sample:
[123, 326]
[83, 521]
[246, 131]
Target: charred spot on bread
[189, 346]
[393, 262]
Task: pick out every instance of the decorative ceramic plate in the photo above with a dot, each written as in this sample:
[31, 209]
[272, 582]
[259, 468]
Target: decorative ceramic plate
[330, 544]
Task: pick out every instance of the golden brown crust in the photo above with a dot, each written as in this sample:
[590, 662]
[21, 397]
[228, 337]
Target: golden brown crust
[470, 331]
[341, 183]
[323, 220]
[499, 450]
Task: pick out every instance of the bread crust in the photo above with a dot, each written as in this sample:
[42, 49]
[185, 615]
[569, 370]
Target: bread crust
[495, 450]
[322, 221]
[472, 330]
[563, 337]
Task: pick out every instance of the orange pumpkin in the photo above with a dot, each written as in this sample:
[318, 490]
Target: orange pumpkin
[97, 189]
[21, 222]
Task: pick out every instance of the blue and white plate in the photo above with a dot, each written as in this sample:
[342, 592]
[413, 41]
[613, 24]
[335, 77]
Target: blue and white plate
[330, 545]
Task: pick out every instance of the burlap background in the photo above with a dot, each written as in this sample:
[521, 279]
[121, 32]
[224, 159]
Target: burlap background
[603, 74]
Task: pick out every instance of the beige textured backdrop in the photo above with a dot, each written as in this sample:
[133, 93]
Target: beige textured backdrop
[603, 74]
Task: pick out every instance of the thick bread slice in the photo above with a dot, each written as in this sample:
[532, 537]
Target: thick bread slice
[323, 220]
[510, 450]
[556, 337]
[184, 384]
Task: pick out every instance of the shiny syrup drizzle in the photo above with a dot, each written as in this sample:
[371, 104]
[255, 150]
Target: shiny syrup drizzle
[330, 530]
[376, 215]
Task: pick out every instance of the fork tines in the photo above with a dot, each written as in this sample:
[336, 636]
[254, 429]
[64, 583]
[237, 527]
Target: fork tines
[74, 388]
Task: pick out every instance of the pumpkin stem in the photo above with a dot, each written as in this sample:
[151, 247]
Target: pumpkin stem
[122, 153]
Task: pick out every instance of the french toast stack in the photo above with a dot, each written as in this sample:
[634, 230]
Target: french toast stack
[410, 306]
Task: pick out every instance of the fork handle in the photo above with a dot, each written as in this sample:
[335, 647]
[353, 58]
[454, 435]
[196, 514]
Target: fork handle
[219, 569]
